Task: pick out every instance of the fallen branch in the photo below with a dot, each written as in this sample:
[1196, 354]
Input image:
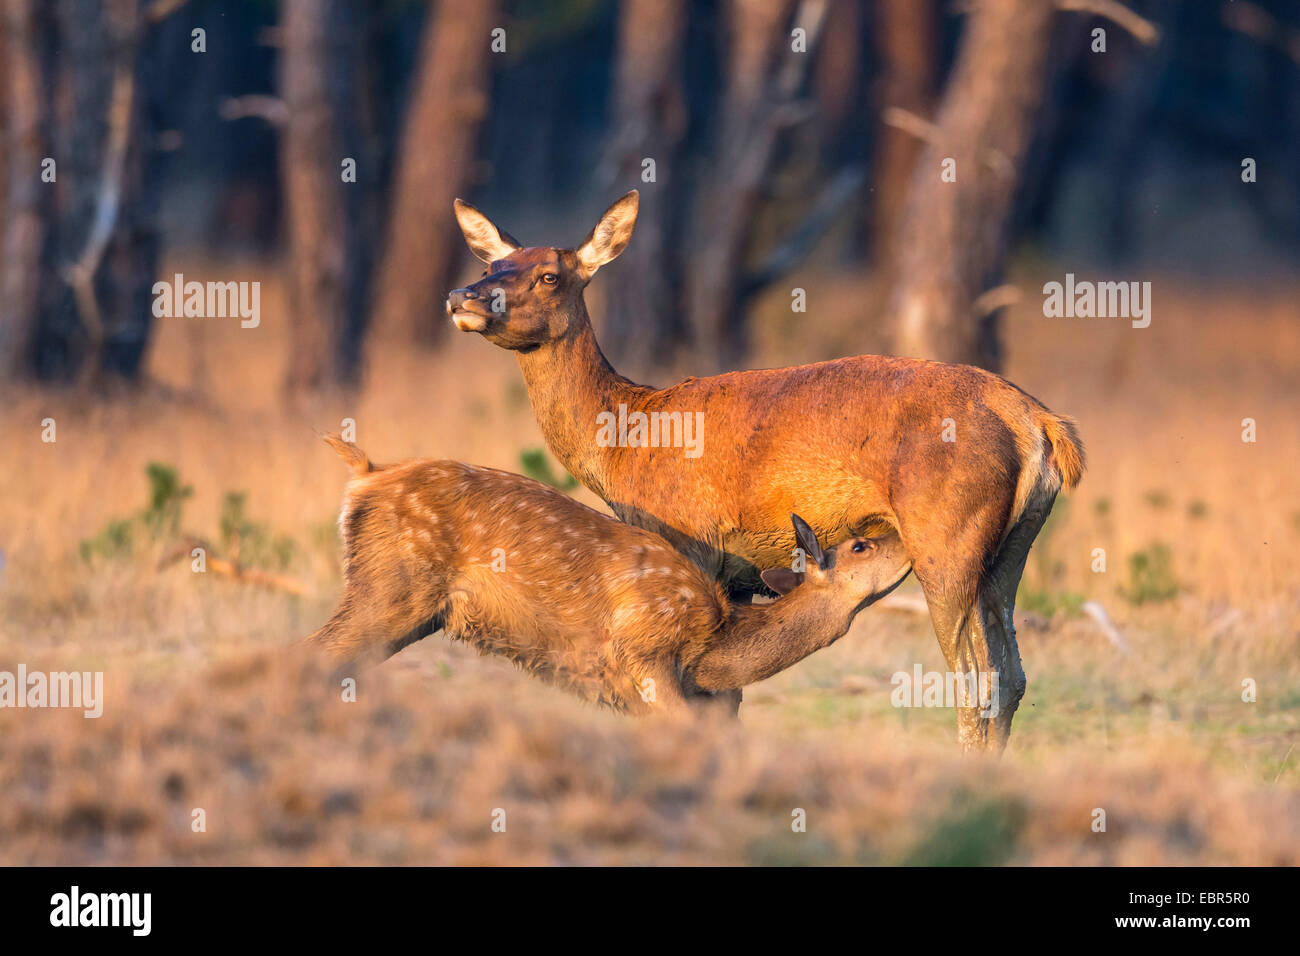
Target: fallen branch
[232, 569]
[1103, 622]
[265, 579]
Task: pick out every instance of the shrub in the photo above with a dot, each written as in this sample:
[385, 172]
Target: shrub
[537, 466]
[1151, 576]
[159, 520]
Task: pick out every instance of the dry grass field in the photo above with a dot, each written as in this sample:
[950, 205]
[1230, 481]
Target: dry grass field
[1201, 533]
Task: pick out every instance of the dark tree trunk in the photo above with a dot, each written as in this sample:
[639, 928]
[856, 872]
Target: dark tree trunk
[448, 102]
[100, 315]
[80, 249]
[953, 234]
[311, 157]
[763, 78]
[27, 199]
[728, 199]
[130, 259]
[642, 308]
[909, 47]
[838, 64]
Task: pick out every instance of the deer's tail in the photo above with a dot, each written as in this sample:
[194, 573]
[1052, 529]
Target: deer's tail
[356, 459]
[1052, 458]
[1067, 454]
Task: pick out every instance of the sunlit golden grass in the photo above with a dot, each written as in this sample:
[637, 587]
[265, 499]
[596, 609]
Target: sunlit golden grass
[1159, 738]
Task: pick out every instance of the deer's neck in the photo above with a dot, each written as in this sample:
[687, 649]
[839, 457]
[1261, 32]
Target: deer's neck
[570, 383]
[771, 637]
[804, 611]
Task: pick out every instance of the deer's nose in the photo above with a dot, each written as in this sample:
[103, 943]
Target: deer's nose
[458, 297]
[466, 319]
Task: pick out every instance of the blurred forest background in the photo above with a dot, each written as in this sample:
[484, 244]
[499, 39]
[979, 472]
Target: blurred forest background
[796, 145]
[763, 134]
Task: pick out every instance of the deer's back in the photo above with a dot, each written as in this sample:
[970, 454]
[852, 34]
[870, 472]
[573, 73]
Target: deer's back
[832, 441]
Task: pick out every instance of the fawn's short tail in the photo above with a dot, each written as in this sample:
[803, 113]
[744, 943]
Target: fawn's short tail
[356, 458]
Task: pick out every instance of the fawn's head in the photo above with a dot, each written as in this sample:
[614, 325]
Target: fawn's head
[860, 570]
[530, 296]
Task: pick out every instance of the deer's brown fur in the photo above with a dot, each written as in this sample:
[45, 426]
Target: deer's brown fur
[853, 445]
[606, 610]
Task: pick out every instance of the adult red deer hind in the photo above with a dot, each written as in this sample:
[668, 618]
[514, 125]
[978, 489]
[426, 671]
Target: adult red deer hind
[962, 463]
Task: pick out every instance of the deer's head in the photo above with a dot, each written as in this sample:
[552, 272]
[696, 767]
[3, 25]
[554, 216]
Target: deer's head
[531, 295]
[858, 571]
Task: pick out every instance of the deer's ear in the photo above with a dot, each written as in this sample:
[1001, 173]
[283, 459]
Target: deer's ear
[611, 235]
[808, 541]
[485, 240]
[782, 580]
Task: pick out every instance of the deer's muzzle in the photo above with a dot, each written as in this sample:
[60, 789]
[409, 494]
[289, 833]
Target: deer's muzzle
[465, 308]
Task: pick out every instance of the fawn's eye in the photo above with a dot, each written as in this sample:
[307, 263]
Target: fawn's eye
[859, 547]
[550, 278]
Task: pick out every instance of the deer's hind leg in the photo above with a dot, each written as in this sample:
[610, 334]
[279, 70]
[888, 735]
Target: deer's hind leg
[998, 601]
[952, 551]
[355, 637]
[970, 577]
[978, 657]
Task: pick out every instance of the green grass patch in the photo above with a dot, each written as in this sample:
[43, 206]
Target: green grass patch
[1151, 576]
[537, 466]
[981, 832]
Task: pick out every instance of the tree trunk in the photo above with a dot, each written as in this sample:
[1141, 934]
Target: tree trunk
[311, 157]
[448, 101]
[729, 197]
[836, 70]
[642, 308]
[80, 248]
[953, 238]
[763, 78]
[908, 47]
[27, 199]
[130, 257]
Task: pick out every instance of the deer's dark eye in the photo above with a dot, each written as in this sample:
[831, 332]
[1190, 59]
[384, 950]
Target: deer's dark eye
[550, 278]
[859, 547]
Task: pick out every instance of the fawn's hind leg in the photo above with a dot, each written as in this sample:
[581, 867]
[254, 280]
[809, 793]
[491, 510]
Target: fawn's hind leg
[354, 637]
[417, 633]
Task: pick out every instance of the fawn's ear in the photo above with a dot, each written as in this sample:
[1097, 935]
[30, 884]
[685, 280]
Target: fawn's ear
[782, 580]
[610, 236]
[486, 241]
[808, 541]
